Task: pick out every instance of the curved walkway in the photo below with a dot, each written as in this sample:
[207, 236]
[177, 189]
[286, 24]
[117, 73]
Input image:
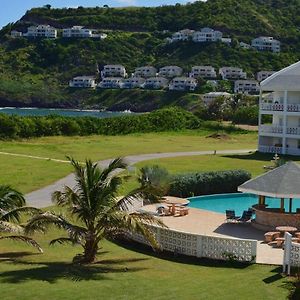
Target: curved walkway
[42, 197]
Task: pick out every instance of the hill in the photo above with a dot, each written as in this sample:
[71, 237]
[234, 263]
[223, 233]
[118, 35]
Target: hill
[36, 72]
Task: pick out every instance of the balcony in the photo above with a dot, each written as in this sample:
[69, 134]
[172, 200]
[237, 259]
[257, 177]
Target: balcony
[293, 107]
[293, 130]
[271, 129]
[270, 149]
[272, 106]
[292, 151]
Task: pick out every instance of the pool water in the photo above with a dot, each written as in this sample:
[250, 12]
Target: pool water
[237, 201]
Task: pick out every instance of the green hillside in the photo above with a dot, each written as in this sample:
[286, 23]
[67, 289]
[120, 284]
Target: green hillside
[36, 72]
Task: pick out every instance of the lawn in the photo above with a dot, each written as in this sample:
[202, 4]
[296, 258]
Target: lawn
[126, 274]
[27, 174]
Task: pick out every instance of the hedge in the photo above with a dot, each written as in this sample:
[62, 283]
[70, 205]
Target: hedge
[196, 184]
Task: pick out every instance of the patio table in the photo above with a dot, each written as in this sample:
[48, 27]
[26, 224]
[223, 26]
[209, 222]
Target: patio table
[284, 229]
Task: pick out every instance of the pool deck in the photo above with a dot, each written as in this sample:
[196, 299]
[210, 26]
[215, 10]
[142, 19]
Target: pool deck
[211, 223]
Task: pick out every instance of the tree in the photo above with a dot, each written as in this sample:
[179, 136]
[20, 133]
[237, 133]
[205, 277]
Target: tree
[48, 6]
[99, 212]
[12, 205]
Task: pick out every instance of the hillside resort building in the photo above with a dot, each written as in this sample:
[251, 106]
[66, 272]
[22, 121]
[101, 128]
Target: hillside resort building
[246, 87]
[262, 75]
[81, 32]
[203, 71]
[114, 71]
[210, 97]
[232, 73]
[280, 99]
[170, 71]
[266, 43]
[146, 72]
[83, 82]
[183, 84]
[45, 31]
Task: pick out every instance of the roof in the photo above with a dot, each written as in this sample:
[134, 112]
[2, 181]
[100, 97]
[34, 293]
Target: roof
[287, 79]
[282, 182]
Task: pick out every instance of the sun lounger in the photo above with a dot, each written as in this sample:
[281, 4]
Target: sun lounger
[247, 215]
[230, 216]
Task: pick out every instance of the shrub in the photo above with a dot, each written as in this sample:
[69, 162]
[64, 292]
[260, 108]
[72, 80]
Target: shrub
[195, 184]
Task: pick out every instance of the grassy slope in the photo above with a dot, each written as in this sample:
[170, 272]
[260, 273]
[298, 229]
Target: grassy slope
[28, 174]
[126, 274]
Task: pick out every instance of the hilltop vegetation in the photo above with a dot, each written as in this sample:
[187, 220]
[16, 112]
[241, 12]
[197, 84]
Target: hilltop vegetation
[36, 72]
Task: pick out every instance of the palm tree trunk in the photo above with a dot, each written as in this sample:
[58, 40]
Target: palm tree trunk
[90, 250]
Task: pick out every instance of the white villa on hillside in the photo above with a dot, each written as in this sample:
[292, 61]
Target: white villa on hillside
[111, 83]
[146, 72]
[133, 83]
[266, 43]
[170, 71]
[207, 35]
[114, 71]
[83, 82]
[245, 45]
[262, 75]
[283, 104]
[156, 83]
[209, 98]
[246, 87]
[81, 32]
[232, 73]
[203, 71]
[16, 34]
[183, 84]
[182, 35]
[46, 31]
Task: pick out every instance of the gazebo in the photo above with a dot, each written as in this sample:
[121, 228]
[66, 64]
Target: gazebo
[282, 183]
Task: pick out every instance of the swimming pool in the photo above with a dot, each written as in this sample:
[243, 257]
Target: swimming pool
[237, 201]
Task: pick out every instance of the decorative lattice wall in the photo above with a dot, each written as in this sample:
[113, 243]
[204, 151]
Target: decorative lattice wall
[295, 255]
[202, 246]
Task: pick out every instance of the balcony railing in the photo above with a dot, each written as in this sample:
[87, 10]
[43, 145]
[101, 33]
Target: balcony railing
[293, 130]
[293, 151]
[270, 149]
[270, 129]
[272, 106]
[293, 107]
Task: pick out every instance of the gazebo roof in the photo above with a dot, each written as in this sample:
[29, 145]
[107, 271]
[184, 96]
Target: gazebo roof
[282, 182]
[285, 79]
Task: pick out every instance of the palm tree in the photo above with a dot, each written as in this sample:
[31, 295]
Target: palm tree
[100, 213]
[12, 205]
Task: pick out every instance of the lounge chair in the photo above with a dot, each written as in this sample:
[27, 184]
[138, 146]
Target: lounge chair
[230, 216]
[247, 215]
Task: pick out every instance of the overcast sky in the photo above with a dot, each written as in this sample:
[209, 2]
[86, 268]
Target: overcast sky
[12, 10]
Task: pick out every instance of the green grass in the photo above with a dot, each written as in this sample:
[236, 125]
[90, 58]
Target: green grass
[27, 174]
[123, 273]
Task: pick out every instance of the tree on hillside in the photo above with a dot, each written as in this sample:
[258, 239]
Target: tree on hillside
[12, 206]
[99, 211]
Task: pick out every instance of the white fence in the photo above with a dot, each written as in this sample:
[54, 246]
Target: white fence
[291, 256]
[202, 245]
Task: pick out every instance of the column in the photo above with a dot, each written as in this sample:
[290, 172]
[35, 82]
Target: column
[284, 122]
[259, 116]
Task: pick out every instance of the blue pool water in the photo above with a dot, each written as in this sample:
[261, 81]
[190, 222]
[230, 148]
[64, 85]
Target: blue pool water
[237, 201]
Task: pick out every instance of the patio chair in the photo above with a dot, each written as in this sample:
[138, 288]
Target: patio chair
[246, 216]
[230, 216]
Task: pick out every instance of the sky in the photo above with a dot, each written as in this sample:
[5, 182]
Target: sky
[12, 10]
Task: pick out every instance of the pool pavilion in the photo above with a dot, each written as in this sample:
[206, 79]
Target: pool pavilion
[283, 184]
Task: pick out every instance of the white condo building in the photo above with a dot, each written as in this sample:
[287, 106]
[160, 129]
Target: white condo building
[207, 35]
[83, 82]
[81, 32]
[266, 43]
[183, 84]
[146, 72]
[246, 87]
[46, 31]
[203, 71]
[170, 71]
[156, 83]
[133, 83]
[209, 98]
[182, 35]
[262, 75]
[232, 73]
[280, 98]
[16, 34]
[114, 71]
[111, 83]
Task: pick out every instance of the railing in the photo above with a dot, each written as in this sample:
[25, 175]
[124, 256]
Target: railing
[293, 151]
[293, 107]
[270, 129]
[202, 245]
[270, 149]
[272, 106]
[293, 130]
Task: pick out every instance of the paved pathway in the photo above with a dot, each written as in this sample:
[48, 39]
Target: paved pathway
[42, 197]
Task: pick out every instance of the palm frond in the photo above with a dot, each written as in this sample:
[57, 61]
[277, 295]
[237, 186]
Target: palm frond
[10, 198]
[63, 240]
[14, 214]
[10, 227]
[24, 239]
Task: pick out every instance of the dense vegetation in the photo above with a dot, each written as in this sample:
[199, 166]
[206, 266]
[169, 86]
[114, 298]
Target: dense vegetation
[36, 72]
[194, 184]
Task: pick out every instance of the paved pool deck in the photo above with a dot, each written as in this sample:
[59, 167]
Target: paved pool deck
[210, 223]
